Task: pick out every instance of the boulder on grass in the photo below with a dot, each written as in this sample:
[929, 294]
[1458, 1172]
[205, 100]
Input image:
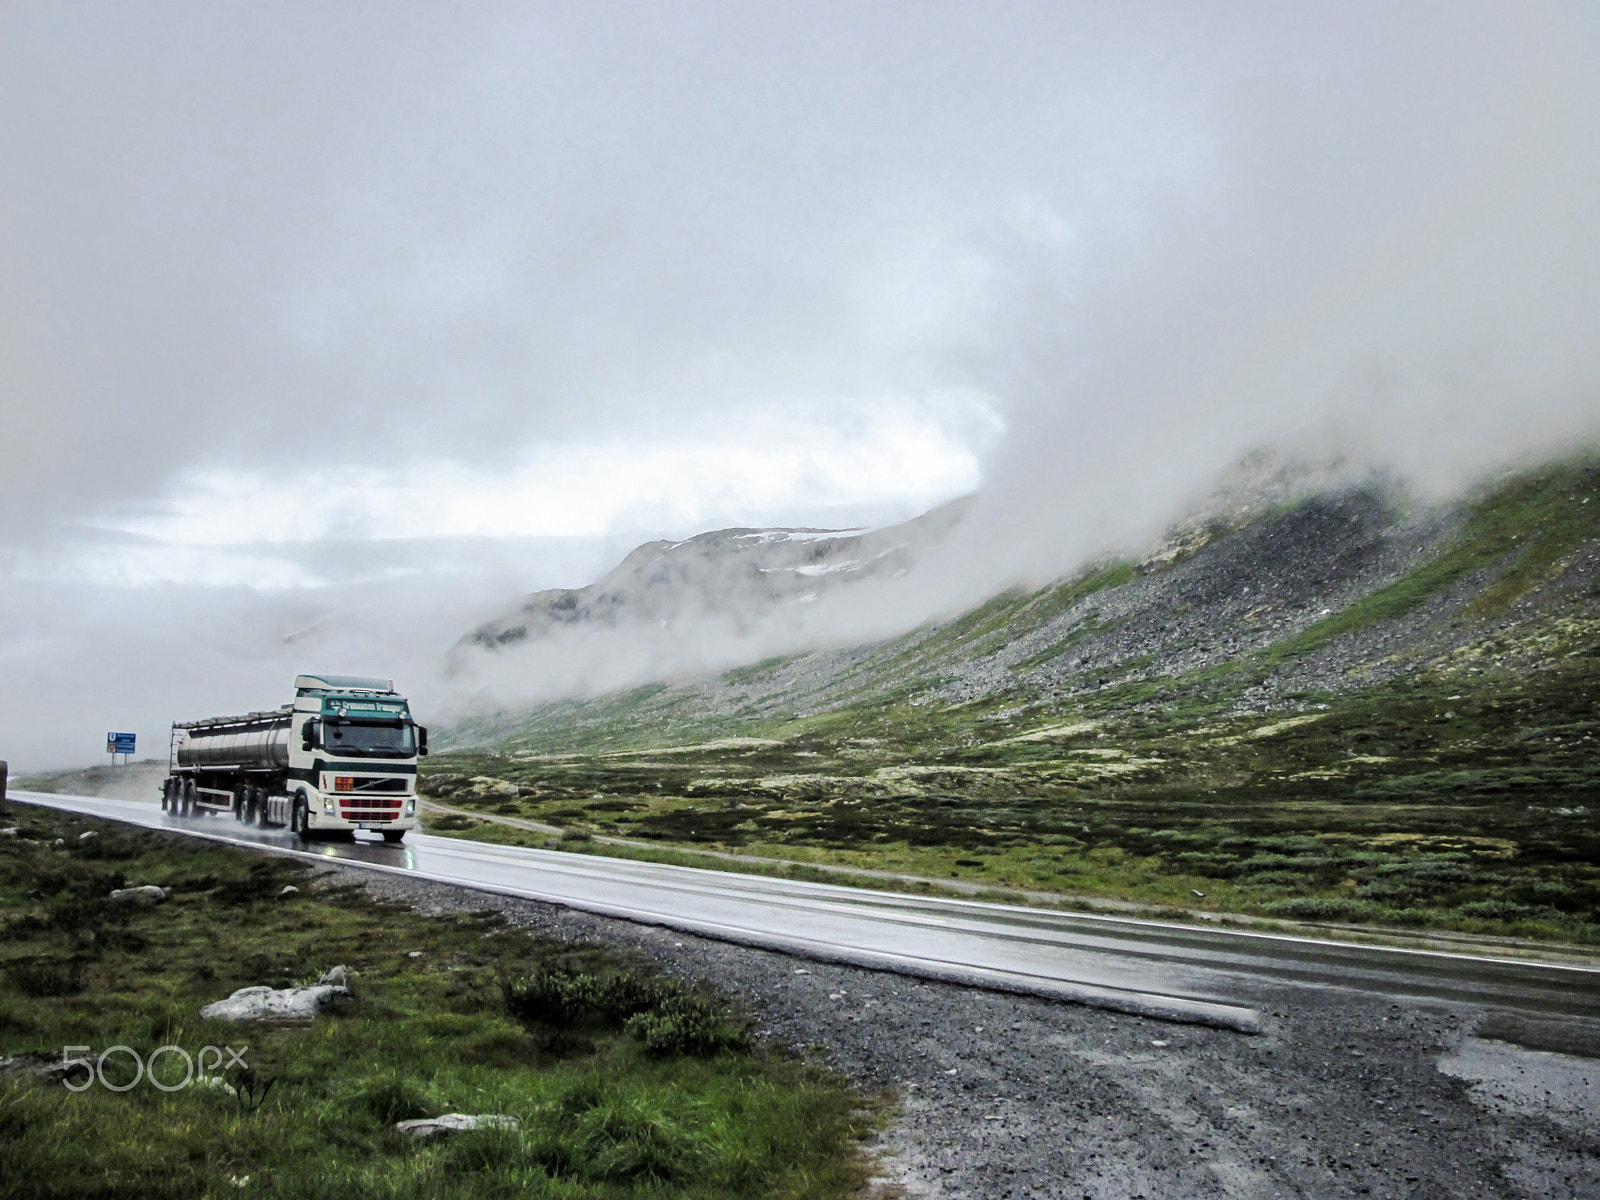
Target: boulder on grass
[148, 894]
[432, 1127]
[283, 1004]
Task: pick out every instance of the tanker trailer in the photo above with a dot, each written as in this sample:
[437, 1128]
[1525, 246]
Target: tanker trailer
[341, 756]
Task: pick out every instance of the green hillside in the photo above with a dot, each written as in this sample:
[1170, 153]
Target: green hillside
[1349, 709]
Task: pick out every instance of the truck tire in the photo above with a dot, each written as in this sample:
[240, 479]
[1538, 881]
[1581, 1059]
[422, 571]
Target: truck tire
[187, 801]
[299, 818]
[263, 816]
[241, 802]
[394, 836]
[166, 794]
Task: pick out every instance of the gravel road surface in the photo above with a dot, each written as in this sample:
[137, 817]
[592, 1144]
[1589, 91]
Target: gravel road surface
[1004, 1097]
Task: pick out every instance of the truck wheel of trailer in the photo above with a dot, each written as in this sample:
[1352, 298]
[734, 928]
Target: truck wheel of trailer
[393, 836]
[262, 814]
[187, 802]
[299, 819]
[241, 795]
[166, 793]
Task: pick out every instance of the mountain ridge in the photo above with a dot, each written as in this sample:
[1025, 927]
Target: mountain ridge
[1351, 708]
[738, 573]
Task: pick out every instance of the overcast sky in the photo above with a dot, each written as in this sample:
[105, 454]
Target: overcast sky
[326, 329]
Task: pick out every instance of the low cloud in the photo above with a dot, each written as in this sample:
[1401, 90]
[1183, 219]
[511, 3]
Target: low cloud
[410, 288]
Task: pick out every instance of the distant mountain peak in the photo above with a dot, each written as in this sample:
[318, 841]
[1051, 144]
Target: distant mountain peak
[740, 574]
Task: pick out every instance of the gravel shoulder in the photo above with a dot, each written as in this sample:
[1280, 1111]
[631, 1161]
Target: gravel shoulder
[1005, 1097]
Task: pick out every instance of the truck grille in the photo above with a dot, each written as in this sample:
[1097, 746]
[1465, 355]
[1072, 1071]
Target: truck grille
[370, 808]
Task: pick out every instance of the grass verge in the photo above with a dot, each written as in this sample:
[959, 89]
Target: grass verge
[634, 1085]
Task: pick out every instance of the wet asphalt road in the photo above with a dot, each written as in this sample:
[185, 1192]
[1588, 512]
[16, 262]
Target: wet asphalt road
[1207, 976]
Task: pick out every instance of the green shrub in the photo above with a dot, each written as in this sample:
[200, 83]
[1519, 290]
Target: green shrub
[665, 1015]
[1277, 879]
[682, 1024]
[1321, 908]
[1503, 910]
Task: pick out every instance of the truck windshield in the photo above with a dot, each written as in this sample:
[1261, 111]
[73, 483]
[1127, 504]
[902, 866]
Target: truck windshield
[369, 741]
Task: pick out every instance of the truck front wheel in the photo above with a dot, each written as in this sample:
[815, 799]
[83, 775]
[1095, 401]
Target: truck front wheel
[299, 819]
[394, 836]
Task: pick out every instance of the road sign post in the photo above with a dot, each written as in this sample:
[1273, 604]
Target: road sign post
[119, 743]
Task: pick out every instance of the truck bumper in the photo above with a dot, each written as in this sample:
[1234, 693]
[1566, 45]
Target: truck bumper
[340, 812]
[328, 822]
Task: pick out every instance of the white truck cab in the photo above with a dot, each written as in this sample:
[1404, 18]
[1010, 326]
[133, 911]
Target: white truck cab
[341, 757]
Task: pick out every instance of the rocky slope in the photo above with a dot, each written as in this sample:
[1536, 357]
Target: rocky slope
[1347, 708]
[1339, 590]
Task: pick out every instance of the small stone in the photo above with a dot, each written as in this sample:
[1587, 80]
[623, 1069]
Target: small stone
[289, 889]
[1161, 1044]
[413, 953]
[335, 977]
[148, 894]
[10, 831]
[84, 837]
[432, 1127]
[59, 843]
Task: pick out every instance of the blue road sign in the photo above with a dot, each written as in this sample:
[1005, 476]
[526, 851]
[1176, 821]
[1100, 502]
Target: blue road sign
[119, 743]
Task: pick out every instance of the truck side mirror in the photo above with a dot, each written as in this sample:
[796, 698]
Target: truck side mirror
[422, 740]
[308, 735]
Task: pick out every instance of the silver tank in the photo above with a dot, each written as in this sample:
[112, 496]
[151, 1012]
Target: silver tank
[257, 742]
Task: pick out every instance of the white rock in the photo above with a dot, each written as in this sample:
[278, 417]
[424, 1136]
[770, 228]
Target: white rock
[10, 831]
[59, 842]
[148, 894]
[335, 977]
[289, 889]
[276, 1004]
[432, 1127]
[84, 837]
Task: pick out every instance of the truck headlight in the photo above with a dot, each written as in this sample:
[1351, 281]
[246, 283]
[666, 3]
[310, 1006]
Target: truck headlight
[411, 808]
[327, 804]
